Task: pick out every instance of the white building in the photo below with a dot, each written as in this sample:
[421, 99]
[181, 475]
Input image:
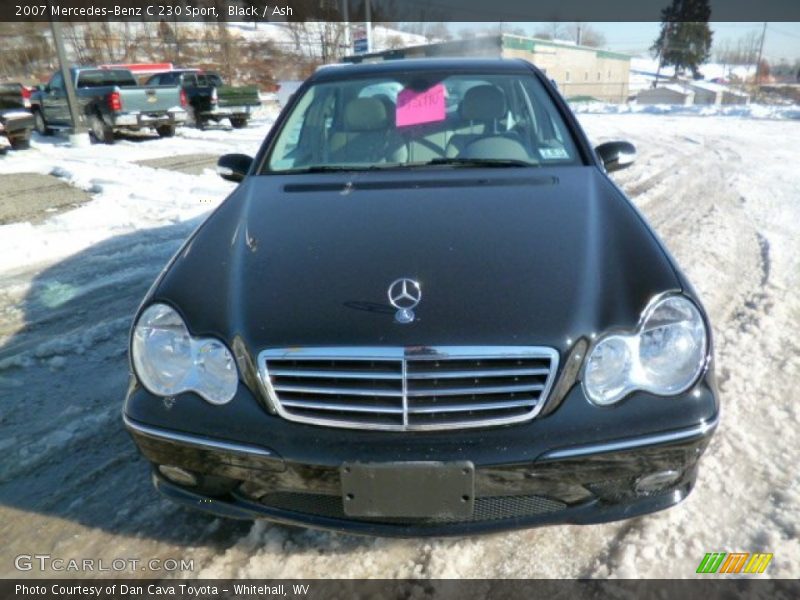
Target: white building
[670, 93]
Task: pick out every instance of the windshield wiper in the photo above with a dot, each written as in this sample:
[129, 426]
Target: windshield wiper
[480, 162]
[320, 169]
[345, 168]
[456, 162]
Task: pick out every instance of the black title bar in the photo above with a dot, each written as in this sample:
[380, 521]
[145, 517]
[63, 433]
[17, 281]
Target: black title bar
[710, 588]
[383, 10]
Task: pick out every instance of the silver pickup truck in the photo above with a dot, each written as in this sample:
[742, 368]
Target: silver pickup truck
[109, 100]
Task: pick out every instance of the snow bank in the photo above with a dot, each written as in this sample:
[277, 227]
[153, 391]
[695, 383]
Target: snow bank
[751, 111]
[126, 196]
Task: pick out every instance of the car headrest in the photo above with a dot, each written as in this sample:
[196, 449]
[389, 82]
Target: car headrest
[365, 114]
[483, 103]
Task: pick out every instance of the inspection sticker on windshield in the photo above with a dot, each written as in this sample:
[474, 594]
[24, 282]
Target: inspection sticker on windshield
[415, 107]
[553, 153]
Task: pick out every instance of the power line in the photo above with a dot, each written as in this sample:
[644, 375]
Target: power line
[794, 35]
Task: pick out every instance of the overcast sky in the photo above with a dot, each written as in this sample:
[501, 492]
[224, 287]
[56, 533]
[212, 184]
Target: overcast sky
[782, 39]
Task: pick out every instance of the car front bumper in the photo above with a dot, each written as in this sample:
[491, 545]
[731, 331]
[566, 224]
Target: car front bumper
[554, 479]
[137, 120]
[222, 112]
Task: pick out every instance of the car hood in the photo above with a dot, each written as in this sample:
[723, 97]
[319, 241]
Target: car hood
[506, 257]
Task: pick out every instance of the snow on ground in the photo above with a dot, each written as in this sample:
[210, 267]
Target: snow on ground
[721, 191]
[644, 69]
[751, 111]
[127, 196]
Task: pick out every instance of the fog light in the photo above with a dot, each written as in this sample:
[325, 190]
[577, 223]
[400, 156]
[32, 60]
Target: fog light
[177, 475]
[656, 481]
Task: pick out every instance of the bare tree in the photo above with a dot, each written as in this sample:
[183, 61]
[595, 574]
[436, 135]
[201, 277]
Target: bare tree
[584, 34]
[316, 39]
[394, 41]
[742, 51]
[27, 50]
[551, 31]
[437, 32]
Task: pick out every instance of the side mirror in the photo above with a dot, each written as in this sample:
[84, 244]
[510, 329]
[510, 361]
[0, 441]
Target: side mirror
[234, 167]
[616, 155]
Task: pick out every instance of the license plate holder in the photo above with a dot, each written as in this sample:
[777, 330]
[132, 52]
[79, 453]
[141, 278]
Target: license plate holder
[428, 489]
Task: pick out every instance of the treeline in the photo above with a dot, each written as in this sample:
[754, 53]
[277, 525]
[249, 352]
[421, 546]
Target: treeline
[28, 53]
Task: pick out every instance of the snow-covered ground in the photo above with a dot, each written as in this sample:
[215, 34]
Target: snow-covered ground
[128, 196]
[751, 111]
[721, 191]
[644, 69]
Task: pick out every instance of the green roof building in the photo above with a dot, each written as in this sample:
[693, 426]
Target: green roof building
[581, 72]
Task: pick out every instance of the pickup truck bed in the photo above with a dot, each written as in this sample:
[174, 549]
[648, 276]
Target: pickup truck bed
[210, 99]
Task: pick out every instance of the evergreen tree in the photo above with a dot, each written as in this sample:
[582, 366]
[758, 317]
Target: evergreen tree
[685, 38]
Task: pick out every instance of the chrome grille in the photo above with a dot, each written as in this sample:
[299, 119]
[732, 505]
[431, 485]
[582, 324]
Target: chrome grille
[402, 389]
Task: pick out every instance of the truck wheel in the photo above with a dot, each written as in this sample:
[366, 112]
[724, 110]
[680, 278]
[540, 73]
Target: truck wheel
[238, 122]
[22, 143]
[41, 124]
[99, 131]
[165, 130]
[192, 120]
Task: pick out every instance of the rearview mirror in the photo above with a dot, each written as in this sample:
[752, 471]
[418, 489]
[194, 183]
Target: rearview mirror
[234, 167]
[616, 155]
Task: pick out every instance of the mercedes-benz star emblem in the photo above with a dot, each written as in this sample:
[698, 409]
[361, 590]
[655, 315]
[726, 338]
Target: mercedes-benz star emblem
[404, 295]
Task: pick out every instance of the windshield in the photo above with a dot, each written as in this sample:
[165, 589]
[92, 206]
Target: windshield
[415, 119]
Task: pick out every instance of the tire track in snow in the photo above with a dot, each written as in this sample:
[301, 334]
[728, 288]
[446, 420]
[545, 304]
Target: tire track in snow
[742, 257]
[721, 227]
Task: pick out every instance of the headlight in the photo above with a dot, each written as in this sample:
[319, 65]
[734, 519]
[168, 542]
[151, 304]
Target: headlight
[169, 361]
[665, 355]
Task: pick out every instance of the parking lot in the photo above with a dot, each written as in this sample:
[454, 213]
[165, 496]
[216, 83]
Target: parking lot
[87, 230]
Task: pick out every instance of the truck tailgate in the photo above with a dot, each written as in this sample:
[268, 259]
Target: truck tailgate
[150, 99]
[245, 95]
[15, 120]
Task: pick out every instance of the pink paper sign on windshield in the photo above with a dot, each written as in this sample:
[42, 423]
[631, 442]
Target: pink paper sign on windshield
[414, 108]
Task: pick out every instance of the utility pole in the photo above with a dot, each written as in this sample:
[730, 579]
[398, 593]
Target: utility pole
[760, 52]
[368, 17]
[578, 35]
[346, 17]
[224, 40]
[78, 126]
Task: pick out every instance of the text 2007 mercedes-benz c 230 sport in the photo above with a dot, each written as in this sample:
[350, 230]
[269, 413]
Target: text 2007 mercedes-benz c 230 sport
[425, 310]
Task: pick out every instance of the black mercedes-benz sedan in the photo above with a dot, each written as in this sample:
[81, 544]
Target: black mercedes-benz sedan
[425, 310]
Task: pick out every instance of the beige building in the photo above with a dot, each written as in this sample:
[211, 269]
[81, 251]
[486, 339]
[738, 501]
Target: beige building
[580, 72]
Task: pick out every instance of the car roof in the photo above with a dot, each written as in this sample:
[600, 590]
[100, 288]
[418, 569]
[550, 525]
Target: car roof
[388, 67]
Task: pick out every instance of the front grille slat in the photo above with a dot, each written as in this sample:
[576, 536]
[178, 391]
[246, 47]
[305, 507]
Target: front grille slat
[401, 389]
[477, 389]
[482, 373]
[333, 374]
[469, 407]
[368, 408]
[311, 389]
